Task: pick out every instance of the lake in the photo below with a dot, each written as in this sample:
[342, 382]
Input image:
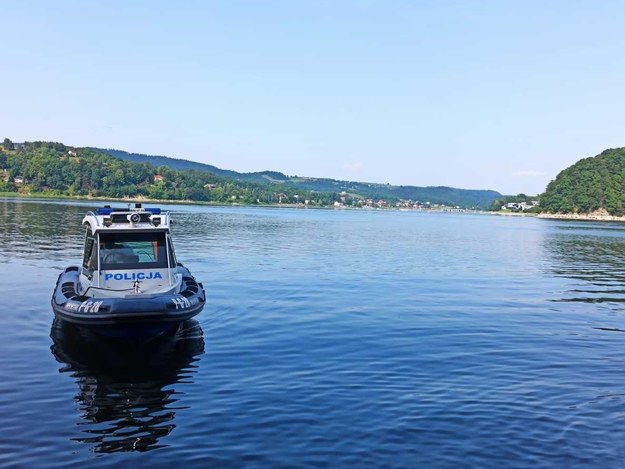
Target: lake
[330, 338]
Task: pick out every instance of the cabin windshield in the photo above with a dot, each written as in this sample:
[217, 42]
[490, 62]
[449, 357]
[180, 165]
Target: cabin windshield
[119, 251]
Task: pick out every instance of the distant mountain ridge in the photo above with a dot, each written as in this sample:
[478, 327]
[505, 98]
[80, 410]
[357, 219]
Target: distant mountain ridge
[180, 164]
[435, 195]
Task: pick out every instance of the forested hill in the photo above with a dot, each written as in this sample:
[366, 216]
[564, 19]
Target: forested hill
[435, 195]
[175, 163]
[56, 169]
[591, 184]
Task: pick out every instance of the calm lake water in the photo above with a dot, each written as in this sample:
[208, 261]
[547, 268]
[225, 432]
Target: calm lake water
[329, 339]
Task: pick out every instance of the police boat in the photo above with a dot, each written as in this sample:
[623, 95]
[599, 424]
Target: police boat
[130, 285]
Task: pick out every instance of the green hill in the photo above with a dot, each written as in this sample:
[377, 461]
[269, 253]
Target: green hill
[591, 184]
[179, 164]
[56, 169]
[435, 195]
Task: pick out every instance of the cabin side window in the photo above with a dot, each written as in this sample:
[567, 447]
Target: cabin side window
[172, 253]
[90, 258]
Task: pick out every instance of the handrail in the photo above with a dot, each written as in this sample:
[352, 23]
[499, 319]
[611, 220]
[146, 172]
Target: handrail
[105, 289]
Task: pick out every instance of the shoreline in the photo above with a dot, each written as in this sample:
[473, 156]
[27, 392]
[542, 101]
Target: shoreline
[594, 216]
[141, 199]
[601, 215]
[86, 198]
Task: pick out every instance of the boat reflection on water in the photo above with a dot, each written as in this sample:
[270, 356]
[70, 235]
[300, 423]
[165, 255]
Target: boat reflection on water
[126, 392]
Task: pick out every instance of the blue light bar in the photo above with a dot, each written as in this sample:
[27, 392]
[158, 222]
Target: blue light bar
[104, 211]
[153, 211]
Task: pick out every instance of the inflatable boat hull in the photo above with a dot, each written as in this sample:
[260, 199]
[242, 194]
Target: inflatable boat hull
[132, 317]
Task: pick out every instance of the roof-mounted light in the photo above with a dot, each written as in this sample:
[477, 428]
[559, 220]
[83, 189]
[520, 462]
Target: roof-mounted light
[108, 221]
[156, 221]
[104, 211]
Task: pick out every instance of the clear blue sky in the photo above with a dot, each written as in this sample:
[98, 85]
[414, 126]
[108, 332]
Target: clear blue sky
[483, 95]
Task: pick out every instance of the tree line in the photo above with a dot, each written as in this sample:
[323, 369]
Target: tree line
[56, 169]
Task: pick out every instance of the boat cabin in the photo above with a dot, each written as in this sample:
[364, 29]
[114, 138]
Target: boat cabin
[128, 250]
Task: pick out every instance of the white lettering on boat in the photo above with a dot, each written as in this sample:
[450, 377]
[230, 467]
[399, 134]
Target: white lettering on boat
[90, 306]
[181, 303]
[134, 276]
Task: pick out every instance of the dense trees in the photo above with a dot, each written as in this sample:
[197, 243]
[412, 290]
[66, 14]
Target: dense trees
[590, 184]
[60, 170]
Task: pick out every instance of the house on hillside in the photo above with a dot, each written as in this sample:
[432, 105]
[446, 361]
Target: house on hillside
[158, 178]
[520, 206]
[19, 180]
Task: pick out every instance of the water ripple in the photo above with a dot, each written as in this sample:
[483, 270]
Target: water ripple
[330, 339]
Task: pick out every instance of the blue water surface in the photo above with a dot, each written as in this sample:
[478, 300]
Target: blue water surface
[331, 338]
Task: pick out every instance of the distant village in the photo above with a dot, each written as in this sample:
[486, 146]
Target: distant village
[347, 201]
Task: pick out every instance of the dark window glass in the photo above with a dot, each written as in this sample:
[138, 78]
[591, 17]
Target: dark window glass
[89, 259]
[132, 251]
[172, 254]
